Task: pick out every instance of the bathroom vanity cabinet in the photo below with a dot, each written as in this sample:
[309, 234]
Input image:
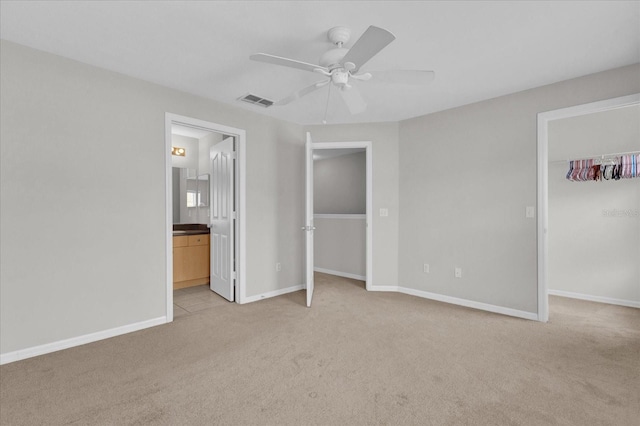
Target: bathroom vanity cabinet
[190, 260]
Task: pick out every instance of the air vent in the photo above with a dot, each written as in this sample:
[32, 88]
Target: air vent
[256, 100]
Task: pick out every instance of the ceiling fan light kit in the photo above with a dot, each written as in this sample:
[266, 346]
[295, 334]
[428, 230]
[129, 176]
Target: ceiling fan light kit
[341, 65]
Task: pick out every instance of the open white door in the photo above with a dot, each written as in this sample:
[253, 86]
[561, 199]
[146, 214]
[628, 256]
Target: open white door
[222, 214]
[308, 218]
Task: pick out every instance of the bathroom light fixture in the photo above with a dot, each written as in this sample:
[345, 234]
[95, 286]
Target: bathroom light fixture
[180, 152]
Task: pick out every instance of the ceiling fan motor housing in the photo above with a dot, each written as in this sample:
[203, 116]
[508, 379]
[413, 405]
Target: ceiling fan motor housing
[340, 78]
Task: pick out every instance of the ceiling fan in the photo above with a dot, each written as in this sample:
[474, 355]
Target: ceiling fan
[341, 66]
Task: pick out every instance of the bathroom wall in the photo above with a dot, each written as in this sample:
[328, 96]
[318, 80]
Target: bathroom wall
[190, 160]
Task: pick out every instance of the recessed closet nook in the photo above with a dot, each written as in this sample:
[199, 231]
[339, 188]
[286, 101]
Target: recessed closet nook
[594, 207]
[340, 212]
[191, 193]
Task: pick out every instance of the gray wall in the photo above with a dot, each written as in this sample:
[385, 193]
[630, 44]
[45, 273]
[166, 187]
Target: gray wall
[83, 241]
[70, 266]
[466, 176]
[340, 245]
[340, 184]
[384, 139]
[593, 251]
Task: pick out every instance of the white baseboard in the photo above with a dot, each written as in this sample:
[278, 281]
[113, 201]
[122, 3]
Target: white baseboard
[384, 288]
[274, 293]
[461, 302]
[600, 299]
[341, 274]
[77, 341]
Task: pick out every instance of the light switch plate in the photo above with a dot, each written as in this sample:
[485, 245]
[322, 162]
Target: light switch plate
[384, 212]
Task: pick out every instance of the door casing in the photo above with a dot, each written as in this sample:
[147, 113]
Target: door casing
[368, 146]
[543, 183]
[240, 252]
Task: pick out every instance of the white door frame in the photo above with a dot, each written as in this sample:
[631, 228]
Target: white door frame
[543, 183]
[240, 202]
[368, 146]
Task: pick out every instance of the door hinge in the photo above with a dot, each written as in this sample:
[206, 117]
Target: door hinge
[234, 155]
[234, 215]
[234, 275]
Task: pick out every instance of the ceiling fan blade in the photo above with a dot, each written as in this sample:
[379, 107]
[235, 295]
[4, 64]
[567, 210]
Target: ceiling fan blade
[366, 76]
[367, 46]
[285, 62]
[409, 77]
[354, 100]
[300, 93]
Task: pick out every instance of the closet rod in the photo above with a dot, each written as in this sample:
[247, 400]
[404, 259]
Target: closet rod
[597, 157]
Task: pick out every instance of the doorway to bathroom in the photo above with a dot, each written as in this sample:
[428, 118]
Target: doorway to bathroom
[205, 214]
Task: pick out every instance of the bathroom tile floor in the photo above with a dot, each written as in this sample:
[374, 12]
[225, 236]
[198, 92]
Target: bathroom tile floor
[193, 299]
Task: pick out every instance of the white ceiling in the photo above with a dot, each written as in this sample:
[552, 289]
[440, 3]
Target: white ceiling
[479, 50]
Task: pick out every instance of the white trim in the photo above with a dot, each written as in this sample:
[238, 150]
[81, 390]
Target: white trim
[273, 293]
[368, 146]
[543, 183]
[168, 245]
[241, 202]
[460, 302]
[339, 216]
[340, 274]
[385, 288]
[599, 299]
[78, 341]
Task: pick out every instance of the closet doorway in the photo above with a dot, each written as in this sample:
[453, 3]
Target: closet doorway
[601, 218]
[205, 210]
[338, 213]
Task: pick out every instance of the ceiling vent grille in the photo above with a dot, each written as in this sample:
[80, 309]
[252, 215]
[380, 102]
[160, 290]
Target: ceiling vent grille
[256, 100]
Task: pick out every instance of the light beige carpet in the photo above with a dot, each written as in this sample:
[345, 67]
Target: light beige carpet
[354, 358]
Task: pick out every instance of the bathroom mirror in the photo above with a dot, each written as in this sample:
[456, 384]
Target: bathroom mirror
[198, 191]
[185, 199]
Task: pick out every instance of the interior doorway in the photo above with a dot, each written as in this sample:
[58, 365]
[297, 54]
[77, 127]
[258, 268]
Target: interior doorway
[209, 209]
[312, 218]
[544, 120]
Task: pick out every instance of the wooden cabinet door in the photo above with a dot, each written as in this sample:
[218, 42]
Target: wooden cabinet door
[198, 262]
[191, 261]
[180, 267]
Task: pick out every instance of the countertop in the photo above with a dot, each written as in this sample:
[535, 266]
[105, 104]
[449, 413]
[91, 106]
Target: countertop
[189, 229]
[195, 232]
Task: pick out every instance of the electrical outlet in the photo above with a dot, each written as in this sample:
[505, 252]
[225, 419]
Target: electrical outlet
[530, 212]
[425, 268]
[458, 273]
[278, 267]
